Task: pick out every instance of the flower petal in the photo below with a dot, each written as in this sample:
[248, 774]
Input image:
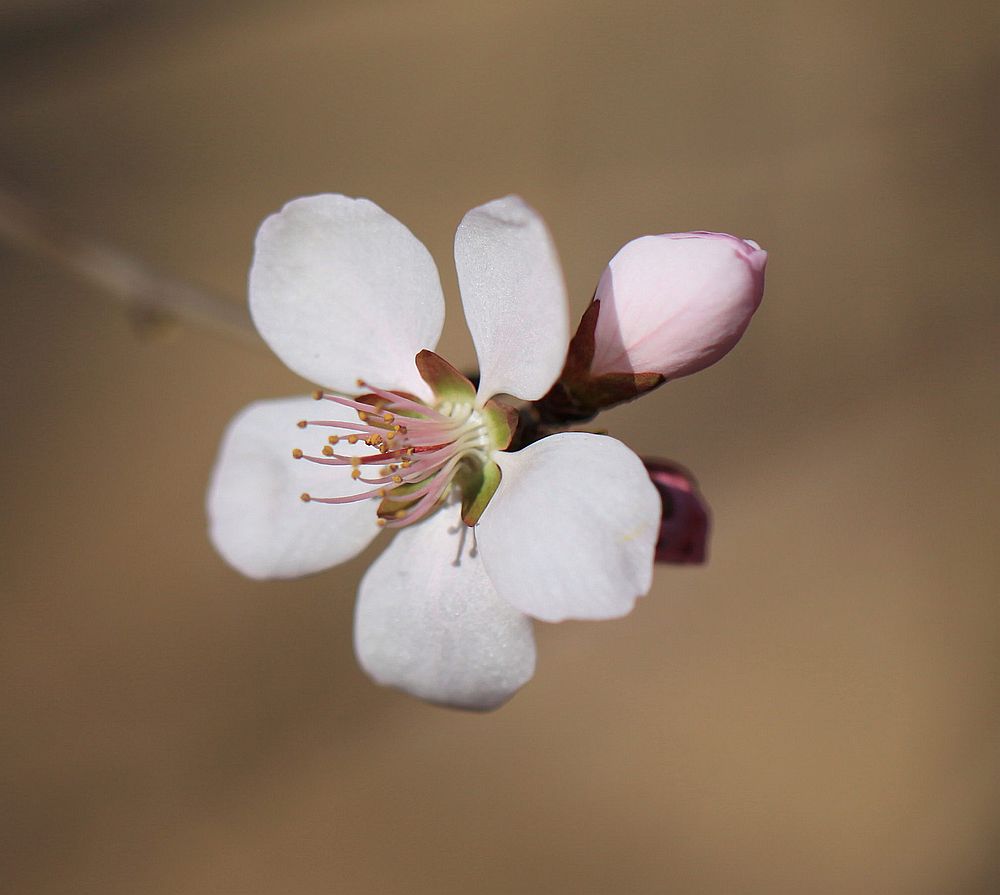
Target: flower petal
[341, 290]
[429, 621]
[256, 519]
[571, 531]
[514, 298]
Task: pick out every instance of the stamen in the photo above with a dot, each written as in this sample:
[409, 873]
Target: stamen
[417, 453]
[398, 401]
[342, 424]
[427, 503]
[350, 498]
[354, 405]
[419, 470]
[344, 460]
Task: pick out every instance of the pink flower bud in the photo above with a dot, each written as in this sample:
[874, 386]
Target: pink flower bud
[685, 521]
[675, 304]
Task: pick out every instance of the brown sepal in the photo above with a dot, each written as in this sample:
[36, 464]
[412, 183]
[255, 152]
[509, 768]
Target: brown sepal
[616, 388]
[582, 346]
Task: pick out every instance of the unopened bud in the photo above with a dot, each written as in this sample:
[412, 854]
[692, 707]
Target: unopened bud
[666, 306]
[684, 524]
[675, 304]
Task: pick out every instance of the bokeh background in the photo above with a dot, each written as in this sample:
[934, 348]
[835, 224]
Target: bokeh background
[814, 711]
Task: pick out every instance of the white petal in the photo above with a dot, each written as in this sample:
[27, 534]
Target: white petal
[256, 518]
[571, 531]
[429, 621]
[341, 290]
[514, 298]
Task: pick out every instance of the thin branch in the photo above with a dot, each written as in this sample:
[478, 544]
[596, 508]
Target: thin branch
[131, 283]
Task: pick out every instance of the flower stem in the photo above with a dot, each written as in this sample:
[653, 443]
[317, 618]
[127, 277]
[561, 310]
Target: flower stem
[147, 295]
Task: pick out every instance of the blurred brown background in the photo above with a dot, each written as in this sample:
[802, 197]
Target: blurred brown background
[814, 711]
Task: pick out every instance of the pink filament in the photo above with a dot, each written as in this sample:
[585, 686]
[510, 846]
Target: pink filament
[431, 444]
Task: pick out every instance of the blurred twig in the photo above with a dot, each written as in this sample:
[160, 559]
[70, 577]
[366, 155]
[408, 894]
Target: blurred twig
[146, 295]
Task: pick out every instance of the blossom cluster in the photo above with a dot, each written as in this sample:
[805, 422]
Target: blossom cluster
[503, 516]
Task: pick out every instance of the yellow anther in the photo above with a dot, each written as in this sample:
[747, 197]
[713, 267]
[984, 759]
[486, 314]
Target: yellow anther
[389, 436]
[383, 492]
[360, 382]
[355, 461]
[352, 439]
[362, 415]
[333, 439]
[380, 523]
[406, 464]
[327, 450]
[398, 479]
[302, 424]
[297, 453]
[399, 514]
[304, 497]
[355, 473]
[318, 394]
[388, 417]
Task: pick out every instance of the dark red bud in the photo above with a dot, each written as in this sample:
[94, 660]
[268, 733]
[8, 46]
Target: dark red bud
[684, 524]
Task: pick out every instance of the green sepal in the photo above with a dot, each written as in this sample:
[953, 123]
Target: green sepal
[388, 507]
[501, 423]
[447, 383]
[477, 490]
[396, 498]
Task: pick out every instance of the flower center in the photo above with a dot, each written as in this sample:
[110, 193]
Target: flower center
[420, 454]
